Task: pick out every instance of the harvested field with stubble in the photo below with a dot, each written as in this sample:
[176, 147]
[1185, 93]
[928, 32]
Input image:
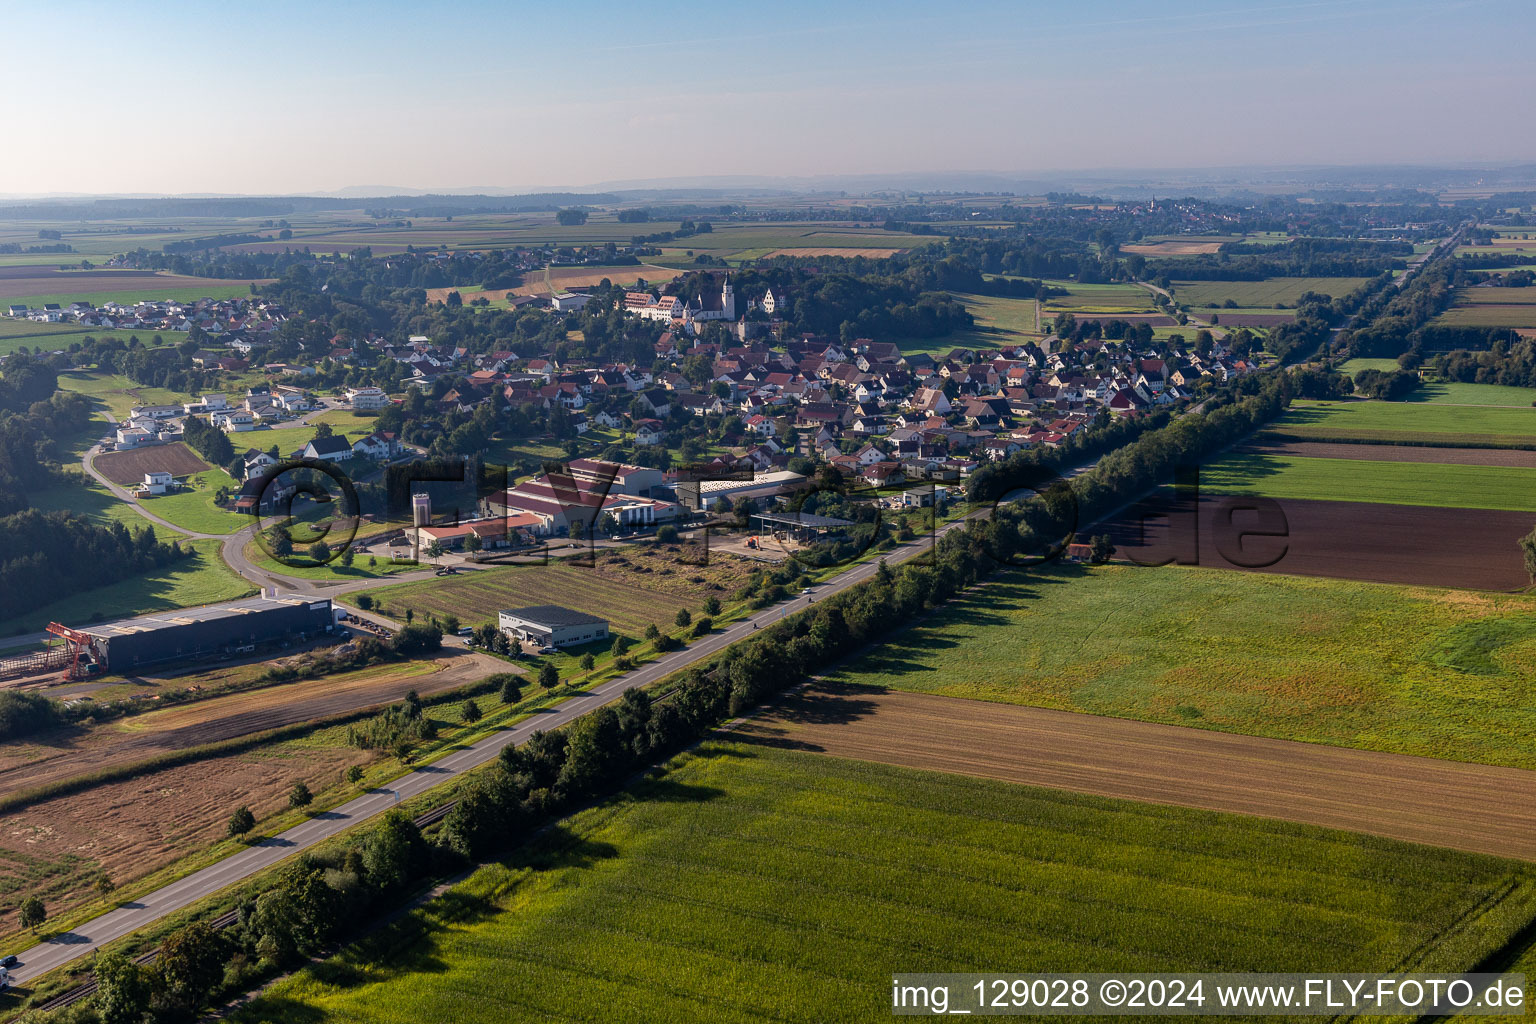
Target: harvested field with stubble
[128, 467]
[1157, 249]
[1239, 318]
[1406, 670]
[749, 883]
[1476, 808]
[58, 848]
[632, 588]
[565, 278]
[71, 753]
[850, 253]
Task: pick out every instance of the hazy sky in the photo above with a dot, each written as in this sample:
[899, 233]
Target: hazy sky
[278, 96]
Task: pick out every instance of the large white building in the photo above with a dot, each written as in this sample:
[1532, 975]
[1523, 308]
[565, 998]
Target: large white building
[366, 398]
[550, 625]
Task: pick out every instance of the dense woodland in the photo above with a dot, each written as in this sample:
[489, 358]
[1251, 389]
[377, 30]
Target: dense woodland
[45, 556]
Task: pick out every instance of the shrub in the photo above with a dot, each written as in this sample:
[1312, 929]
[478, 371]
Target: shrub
[703, 626]
[299, 796]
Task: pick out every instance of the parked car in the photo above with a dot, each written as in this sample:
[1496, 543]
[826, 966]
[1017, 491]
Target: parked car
[549, 650]
[467, 631]
[9, 961]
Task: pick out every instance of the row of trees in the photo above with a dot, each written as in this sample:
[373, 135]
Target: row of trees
[309, 903]
[45, 556]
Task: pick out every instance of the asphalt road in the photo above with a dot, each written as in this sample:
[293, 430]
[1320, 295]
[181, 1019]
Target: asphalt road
[61, 949]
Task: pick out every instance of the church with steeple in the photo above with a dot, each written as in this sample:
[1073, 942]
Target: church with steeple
[706, 306]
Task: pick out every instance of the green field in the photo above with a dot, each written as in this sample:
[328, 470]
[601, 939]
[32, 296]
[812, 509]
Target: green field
[93, 502]
[1408, 423]
[1449, 392]
[202, 579]
[193, 290]
[117, 393]
[1098, 298]
[1438, 485]
[1270, 293]
[194, 510]
[751, 884]
[18, 334]
[1006, 321]
[1414, 670]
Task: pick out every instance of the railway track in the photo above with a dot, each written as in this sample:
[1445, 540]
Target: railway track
[224, 920]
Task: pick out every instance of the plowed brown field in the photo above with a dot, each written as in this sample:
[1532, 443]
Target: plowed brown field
[128, 467]
[1475, 549]
[1421, 800]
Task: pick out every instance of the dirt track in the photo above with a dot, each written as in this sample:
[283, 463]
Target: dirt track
[1443, 803]
[1395, 453]
[1475, 549]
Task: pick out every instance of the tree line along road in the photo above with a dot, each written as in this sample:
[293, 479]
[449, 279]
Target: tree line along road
[61, 949]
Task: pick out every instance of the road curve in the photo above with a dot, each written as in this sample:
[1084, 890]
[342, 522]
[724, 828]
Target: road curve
[68, 946]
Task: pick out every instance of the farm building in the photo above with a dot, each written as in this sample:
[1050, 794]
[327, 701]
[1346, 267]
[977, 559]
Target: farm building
[210, 629]
[552, 626]
[763, 487]
[568, 301]
[801, 526]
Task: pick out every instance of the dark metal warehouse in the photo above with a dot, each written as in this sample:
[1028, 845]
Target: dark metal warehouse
[188, 632]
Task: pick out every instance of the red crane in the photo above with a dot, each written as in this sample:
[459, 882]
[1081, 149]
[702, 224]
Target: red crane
[80, 643]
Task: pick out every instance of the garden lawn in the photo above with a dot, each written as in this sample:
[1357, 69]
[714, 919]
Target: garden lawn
[1408, 423]
[753, 884]
[1438, 485]
[1413, 670]
[194, 510]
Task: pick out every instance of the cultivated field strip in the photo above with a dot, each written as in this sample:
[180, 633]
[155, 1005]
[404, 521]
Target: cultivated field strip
[1509, 457]
[1476, 549]
[751, 884]
[1476, 808]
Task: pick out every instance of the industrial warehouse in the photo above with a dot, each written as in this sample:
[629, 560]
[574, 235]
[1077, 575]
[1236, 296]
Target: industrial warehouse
[212, 629]
[549, 625]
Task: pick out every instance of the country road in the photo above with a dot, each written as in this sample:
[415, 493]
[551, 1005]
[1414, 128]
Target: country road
[68, 946]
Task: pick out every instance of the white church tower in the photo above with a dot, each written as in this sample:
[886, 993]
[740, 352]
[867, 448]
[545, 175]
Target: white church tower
[728, 300]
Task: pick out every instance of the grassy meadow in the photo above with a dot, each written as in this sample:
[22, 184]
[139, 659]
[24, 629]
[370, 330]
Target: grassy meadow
[749, 884]
[1411, 670]
[1437, 485]
[1408, 423]
[201, 579]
